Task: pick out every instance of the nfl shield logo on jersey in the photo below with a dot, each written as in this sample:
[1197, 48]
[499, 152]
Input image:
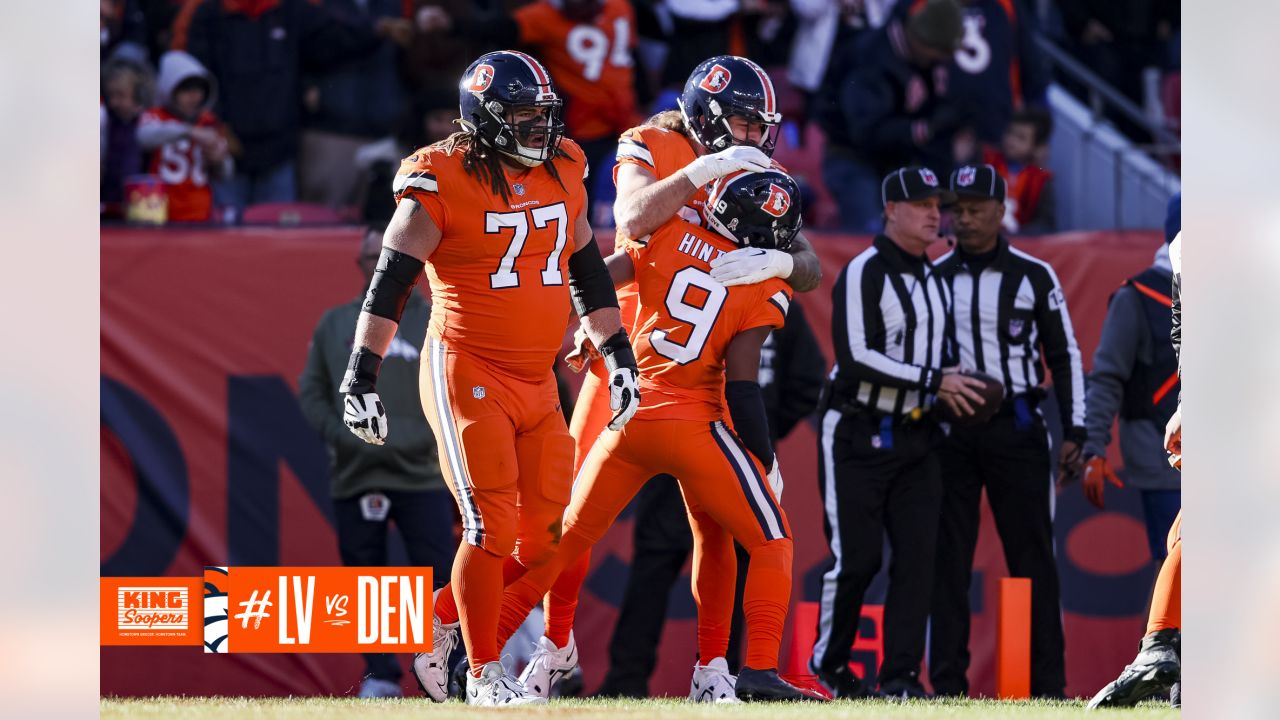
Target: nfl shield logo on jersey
[928, 177]
[1016, 327]
[518, 189]
[967, 175]
[477, 392]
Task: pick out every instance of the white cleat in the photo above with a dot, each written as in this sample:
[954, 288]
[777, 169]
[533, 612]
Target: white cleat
[495, 688]
[712, 683]
[432, 669]
[548, 666]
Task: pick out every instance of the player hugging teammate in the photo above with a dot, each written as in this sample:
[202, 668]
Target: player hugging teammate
[702, 281]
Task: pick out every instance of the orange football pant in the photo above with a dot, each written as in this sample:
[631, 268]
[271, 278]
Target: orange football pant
[1166, 599]
[723, 487]
[506, 455]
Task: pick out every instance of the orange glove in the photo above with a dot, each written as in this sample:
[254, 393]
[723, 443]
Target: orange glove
[1095, 471]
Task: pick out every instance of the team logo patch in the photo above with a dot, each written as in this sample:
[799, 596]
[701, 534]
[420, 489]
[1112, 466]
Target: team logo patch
[717, 79]
[482, 78]
[477, 392]
[518, 189]
[967, 176]
[778, 202]
[928, 177]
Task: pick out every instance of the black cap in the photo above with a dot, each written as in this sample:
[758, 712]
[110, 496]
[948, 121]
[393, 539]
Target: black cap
[912, 183]
[980, 181]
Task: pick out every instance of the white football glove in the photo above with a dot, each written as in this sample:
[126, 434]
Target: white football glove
[364, 416]
[749, 265]
[624, 396]
[775, 480]
[739, 157]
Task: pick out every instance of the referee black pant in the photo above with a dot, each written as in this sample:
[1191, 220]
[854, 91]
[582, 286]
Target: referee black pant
[877, 477]
[1010, 457]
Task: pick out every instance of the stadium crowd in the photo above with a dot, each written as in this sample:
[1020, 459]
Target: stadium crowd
[229, 108]
[314, 102]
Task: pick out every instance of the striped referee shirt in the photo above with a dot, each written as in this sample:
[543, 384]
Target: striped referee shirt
[889, 328]
[1006, 311]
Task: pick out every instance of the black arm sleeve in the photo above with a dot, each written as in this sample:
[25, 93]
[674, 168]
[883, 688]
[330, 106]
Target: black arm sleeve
[746, 407]
[590, 285]
[392, 284]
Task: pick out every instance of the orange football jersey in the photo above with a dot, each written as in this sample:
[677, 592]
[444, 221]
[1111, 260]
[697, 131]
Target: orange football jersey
[500, 276]
[686, 320]
[182, 167]
[590, 64]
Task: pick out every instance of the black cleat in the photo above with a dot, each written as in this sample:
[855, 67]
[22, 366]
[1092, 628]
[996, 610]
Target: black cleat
[1175, 694]
[844, 685]
[903, 688]
[766, 686]
[458, 678]
[1153, 672]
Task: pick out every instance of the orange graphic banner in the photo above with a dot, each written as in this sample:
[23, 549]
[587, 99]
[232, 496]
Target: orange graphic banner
[274, 610]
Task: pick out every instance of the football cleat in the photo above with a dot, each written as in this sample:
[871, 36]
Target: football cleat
[1153, 672]
[495, 688]
[765, 685]
[432, 668]
[904, 688]
[548, 666]
[712, 683]
[1175, 694]
[843, 684]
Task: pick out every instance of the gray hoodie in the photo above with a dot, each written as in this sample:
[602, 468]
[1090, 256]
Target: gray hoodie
[176, 66]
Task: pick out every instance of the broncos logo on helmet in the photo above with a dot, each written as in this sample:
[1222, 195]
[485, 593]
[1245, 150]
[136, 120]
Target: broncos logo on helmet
[755, 209]
[726, 86]
[491, 91]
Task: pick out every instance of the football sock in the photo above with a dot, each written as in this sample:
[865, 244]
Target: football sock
[477, 583]
[765, 600]
[562, 601]
[715, 574]
[1166, 599]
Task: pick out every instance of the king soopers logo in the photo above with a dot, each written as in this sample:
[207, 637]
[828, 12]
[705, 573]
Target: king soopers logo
[152, 608]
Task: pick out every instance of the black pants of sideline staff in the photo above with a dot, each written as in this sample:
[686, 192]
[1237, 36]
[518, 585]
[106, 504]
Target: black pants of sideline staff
[876, 477]
[425, 520]
[1010, 457]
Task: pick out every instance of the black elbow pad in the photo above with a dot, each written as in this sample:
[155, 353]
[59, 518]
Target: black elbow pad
[590, 285]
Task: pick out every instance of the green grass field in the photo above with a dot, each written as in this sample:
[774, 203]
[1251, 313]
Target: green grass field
[418, 708]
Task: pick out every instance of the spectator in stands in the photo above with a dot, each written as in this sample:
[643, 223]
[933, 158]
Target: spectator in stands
[348, 107]
[431, 117]
[119, 22]
[373, 485]
[825, 33]
[1120, 40]
[127, 87]
[998, 65]
[587, 47]
[1023, 161]
[184, 137]
[888, 106]
[435, 61]
[258, 50]
[1135, 376]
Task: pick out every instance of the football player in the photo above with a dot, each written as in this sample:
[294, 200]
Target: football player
[698, 342]
[496, 215]
[728, 121]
